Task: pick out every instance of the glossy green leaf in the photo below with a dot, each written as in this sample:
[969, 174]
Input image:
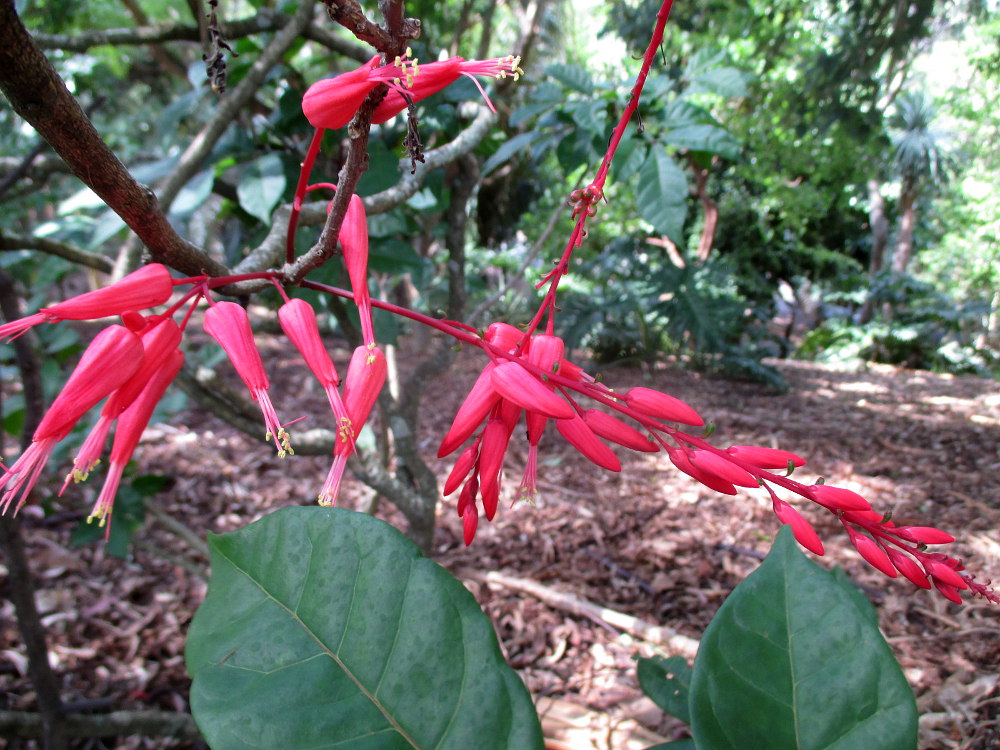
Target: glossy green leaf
[661, 193]
[572, 77]
[667, 682]
[193, 194]
[727, 82]
[509, 148]
[708, 138]
[687, 744]
[261, 186]
[792, 661]
[326, 628]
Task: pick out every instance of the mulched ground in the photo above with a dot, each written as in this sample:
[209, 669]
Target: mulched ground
[648, 542]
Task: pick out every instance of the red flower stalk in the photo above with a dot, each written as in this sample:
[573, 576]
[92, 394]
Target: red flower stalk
[365, 377]
[111, 359]
[131, 425]
[354, 241]
[148, 287]
[229, 325]
[161, 338]
[298, 321]
[430, 78]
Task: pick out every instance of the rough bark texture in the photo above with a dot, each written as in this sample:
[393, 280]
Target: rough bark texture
[907, 222]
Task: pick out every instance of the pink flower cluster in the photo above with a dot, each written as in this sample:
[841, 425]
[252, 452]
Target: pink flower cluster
[529, 375]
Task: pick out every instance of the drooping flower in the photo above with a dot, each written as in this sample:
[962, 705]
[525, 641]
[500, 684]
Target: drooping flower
[298, 321]
[332, 102]
[581, 437]
[148, 287]
[158, 342]
[662, 406]
[804, 533]
[432, 77]
[518, 386]
[131, 425]
[871, 551]
[365, 377]
[229, 325]
[838, 498]
[477, 405]
[354, 241]
[111, 359]
[613, 429]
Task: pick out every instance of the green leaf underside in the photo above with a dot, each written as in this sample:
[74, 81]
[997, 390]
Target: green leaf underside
[792, 661]
[668, 683]
[661, 194]
[325, 628]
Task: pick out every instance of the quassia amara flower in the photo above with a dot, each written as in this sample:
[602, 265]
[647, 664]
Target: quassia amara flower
[354, 241]
[332, 102]
[131, 424]
[298, 321]
[229, 325]
[111, 359]
[365, 377]
[148, 287]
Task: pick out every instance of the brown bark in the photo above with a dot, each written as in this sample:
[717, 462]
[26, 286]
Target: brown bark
[708, 207]
[37, 94]
[907, 222]
[880, 241]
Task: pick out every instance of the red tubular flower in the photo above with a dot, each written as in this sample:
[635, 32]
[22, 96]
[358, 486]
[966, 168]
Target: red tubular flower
[581, 437]
[660, 405]
[131, 425]
[430, 78]
[613, 429]
[465, 463]
[713, 463]
[365, 378]
[837, 498]
[111, 359]
[765, 458]
[148, 287]
[546, 353]
[520, 387]
[494, 446]
[229, 325]
[804, 533]
[682, 461]
[477, 405]
[158, 341]
[354, 241]
[470, 520]
[923, 535]
[298, 321]
[332, 102]
[872, 552]
[909, 568]
[942, 572]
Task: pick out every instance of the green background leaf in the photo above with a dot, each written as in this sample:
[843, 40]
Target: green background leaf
[261, 187]
[668, 683]
[792, 661]
[323, 627]
[660, 194]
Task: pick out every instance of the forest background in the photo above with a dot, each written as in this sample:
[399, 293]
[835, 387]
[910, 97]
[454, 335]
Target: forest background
[809, 181]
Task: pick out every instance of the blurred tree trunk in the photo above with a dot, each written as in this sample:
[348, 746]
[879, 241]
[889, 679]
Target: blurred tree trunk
[907, 221]
[880, 241]
[709, 206]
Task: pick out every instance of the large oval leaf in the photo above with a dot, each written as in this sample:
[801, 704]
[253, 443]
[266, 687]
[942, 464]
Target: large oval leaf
[261, 186]
[326, 628]
[792, 661]
[661, 194]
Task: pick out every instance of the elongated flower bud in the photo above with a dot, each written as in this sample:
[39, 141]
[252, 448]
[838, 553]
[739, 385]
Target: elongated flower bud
[470, 521]
[837, 498]
[613, 429]
[131, 425]
[872, 552]
[713, 463]
[909, 568]
[923, 535]
[494, 446]
[466, 461]
[662, 406]
[581, 437]
[354, 241]
[148, 287]
[804, 533]
[229, 325]
[332, 102]
[519, 386]
[682, 461]
[503, 336]
[298, 321]
[941, 571]
[765, 458]
[477, 405]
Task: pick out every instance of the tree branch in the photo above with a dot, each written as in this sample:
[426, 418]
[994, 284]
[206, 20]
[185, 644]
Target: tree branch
[9, 242]
[231, 104]
[39, 96]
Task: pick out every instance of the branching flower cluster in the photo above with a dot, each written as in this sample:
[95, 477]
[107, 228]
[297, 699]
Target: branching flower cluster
[527, 373]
